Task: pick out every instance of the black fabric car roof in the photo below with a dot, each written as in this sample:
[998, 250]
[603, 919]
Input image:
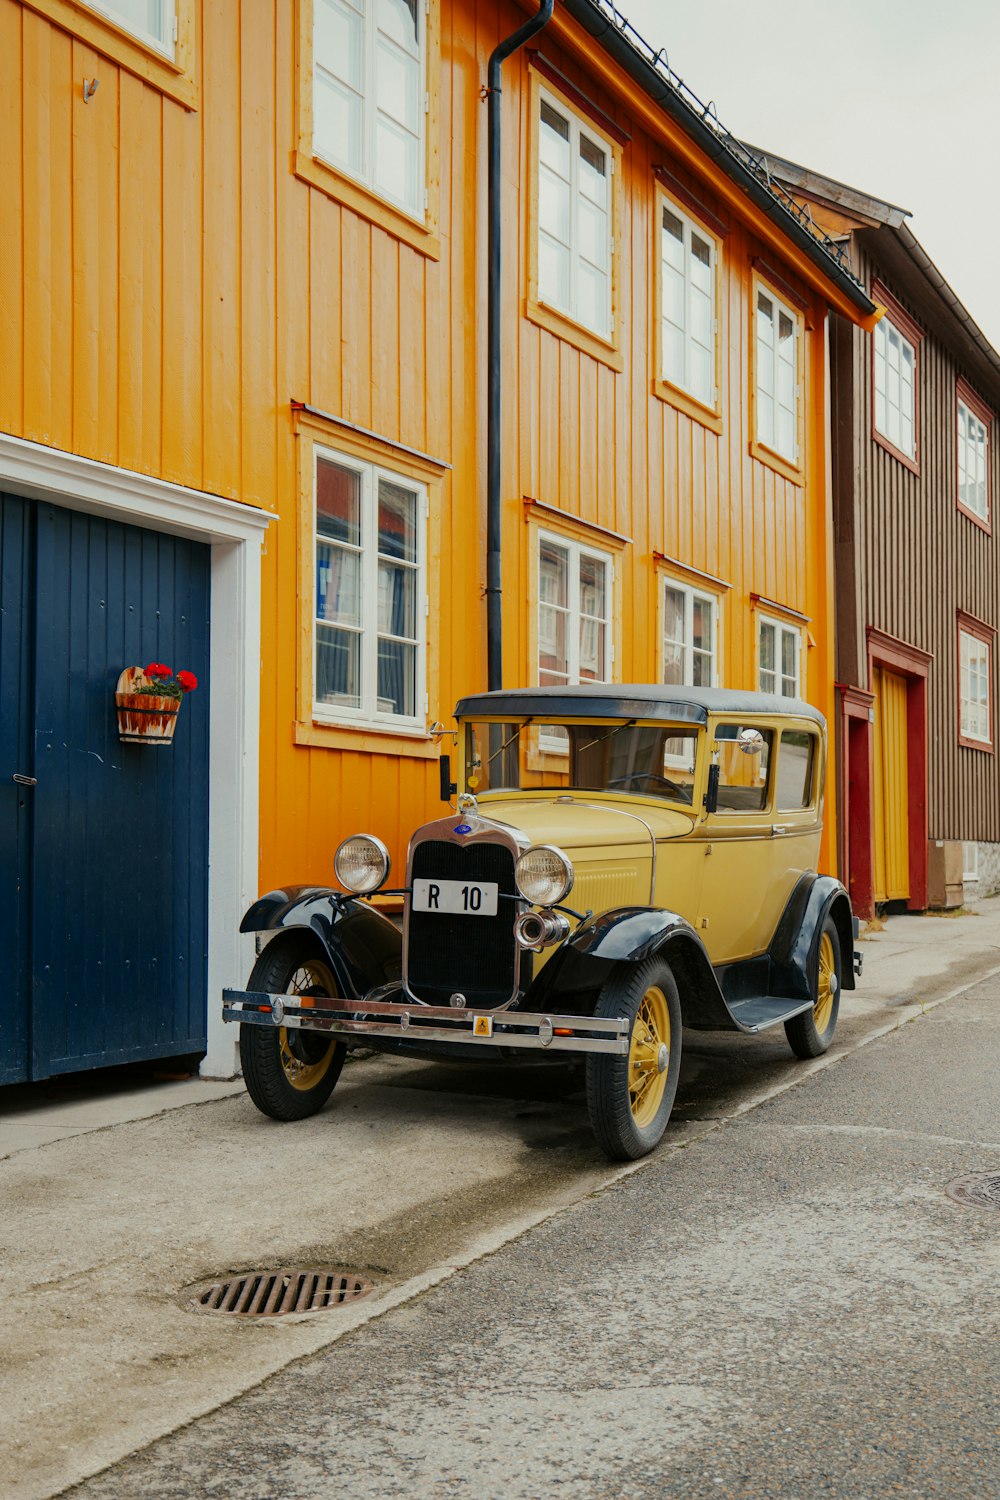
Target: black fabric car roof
[629, 700]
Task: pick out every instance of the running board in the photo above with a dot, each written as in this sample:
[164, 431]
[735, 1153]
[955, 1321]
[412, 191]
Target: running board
[761, 1011]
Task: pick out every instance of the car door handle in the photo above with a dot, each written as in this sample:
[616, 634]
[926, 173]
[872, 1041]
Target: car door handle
[777, 828]
[24, 780]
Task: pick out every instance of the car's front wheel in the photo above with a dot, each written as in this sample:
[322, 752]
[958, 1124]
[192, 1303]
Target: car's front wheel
[630, 1096]
[810, 1034]
[290, 1073]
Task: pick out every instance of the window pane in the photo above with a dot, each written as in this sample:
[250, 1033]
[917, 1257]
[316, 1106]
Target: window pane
[789, 654]
[337, 42]
[338, 502]
[398, 19]
[397, 76]
[338, 667]
[592, 650]
[593, 574]
[397, 521]
[337, 122]
[397, 600]
[592, 308]
[141, 17]
[553, 573]
[552, 654]
[795, 762]
[593, 241]
[338, 584]
[742, 778]
[593, 171]
[553, 206]
[554, 141]
[397, 162]
[553, 272]
[397, 675]
[767, 648]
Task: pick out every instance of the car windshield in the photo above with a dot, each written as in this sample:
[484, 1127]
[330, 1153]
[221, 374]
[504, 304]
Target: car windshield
[650, 760]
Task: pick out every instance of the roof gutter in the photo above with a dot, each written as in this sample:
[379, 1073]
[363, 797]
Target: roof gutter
[959, 312]
[612, 39]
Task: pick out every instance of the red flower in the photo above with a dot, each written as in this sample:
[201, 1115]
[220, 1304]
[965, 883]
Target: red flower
[188, 681]
[157, 669]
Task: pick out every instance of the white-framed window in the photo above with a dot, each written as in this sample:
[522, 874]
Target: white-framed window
[779, 647]
[575, 166]
[369, 94]
[153, 22]
[970, 860]
[972, 464]
[895, 387]
[975, 717]
[690, 635]
[370, 600]
[776, 366]
[575, 584]
[688, 306]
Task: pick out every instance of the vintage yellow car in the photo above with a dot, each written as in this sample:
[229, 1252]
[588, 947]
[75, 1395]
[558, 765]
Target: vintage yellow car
[621, 862]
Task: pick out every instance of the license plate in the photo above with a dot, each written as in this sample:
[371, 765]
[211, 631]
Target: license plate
[457, 897]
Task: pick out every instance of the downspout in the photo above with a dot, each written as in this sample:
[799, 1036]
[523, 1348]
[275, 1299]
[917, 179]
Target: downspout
[494, 613]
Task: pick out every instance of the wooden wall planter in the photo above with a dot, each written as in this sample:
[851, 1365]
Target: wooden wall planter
[143, 719]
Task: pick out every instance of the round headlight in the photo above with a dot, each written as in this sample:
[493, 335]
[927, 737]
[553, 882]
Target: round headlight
[544, 875]
[361, 863]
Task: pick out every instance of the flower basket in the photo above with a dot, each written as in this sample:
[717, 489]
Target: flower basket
[148, 701]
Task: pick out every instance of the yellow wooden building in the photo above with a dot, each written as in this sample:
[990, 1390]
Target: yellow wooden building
[243, 300]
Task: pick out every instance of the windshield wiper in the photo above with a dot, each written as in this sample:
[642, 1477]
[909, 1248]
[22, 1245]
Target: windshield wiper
[610, 735]
[509, 742]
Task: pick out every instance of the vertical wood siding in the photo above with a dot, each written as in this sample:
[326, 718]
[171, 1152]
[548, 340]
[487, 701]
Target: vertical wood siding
[168, 287]
[908, 559]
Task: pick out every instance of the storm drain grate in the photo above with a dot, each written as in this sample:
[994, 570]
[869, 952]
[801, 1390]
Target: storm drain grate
[976, 1190]
[271, 1294]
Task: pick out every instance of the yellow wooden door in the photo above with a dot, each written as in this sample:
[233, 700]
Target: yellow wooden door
[890, 790]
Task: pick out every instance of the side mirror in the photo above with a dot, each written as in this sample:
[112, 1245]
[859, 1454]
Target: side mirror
[448, 787]
[712, 790]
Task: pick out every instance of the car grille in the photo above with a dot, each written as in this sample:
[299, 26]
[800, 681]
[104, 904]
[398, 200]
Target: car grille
[476, 956]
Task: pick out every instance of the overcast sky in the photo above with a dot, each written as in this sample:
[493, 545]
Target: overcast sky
[900, 98]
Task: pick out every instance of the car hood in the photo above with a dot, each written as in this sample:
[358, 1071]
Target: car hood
[578, 823]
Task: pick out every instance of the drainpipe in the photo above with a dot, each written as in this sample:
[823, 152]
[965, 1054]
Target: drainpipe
[494, 615]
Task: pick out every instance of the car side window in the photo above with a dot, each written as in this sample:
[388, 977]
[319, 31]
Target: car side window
[743, 777]
[796, 760]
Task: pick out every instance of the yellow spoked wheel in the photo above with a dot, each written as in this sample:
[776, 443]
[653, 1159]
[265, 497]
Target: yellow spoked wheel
[630, 1095]
[649, 1056]
[290, 1073]
[810, 1034]
[827, 984]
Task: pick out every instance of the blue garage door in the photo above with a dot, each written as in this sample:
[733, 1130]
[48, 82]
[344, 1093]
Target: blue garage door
[104, 859]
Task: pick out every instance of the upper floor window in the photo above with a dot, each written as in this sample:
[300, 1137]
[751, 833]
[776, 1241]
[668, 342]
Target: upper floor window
[370, 604]
[369, 102]
[896, 388]
[776, 365]
[575, 165]
[973, 456]
[690, 636]
[153, 22]
[574, 612]
[688, 305]
[974, 673]
[779, 649]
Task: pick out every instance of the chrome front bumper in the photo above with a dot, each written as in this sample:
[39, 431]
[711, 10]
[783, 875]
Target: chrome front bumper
[429, 1023]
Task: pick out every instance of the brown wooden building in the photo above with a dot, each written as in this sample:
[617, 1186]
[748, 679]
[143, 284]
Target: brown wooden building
[915, 471]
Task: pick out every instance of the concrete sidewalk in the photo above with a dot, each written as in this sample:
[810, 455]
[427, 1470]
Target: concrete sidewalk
[118, 1202]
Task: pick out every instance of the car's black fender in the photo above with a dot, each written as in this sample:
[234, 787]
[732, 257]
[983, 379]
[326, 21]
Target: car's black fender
[363, 947]
[797, 935]
[631, 934]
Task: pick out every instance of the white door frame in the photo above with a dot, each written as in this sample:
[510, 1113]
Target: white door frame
[235, 534]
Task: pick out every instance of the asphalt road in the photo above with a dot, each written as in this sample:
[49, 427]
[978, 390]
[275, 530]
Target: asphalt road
[788, 1306]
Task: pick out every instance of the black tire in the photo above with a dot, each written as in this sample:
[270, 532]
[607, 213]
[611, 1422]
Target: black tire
[810, 1034]
[629, 1116]
[290, 1074]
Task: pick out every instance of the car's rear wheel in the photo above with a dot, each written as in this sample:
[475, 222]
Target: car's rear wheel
[630, 1097]
[290, 1073]
[810, 1034]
